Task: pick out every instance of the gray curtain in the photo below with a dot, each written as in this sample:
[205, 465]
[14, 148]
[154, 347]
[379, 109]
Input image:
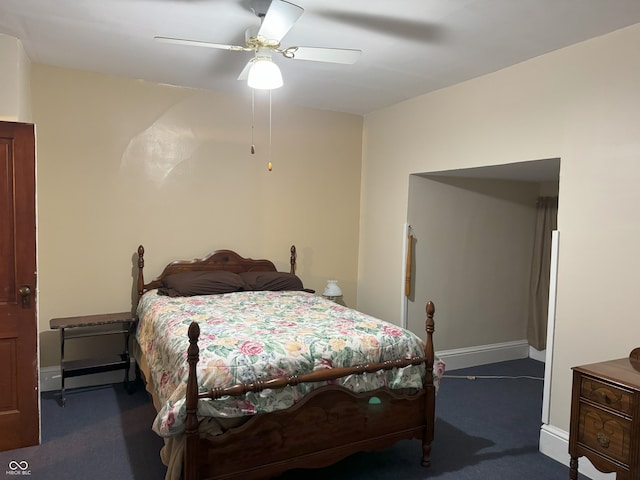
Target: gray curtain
[547, 219]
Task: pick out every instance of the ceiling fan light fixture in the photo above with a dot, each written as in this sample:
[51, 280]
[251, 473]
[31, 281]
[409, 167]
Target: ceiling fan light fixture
[264, 75]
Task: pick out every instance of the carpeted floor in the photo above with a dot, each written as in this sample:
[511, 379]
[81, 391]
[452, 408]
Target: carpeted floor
[485, 429]
[102, 433]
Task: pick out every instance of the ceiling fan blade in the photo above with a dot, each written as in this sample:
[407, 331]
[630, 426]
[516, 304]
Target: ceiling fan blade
[197, 43]
[244, 74]
[279, 19]
[321, 54]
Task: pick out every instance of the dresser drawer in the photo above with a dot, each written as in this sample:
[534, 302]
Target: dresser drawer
[605, 394]
[608, 434]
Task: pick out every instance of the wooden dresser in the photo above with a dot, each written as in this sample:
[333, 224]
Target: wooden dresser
[605, 417]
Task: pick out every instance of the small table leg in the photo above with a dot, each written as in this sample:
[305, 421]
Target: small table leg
[62, 397]
[573, 468]
[128, 386]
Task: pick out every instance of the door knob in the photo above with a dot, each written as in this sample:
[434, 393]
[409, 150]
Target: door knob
[25, 295]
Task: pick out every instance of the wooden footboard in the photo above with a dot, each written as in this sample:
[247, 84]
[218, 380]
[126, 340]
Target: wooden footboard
[328, 425]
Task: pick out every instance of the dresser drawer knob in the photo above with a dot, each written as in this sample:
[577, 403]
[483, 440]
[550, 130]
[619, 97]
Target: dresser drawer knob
[603, 440]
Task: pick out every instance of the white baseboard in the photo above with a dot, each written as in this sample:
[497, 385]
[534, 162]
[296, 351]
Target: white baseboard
[554, 443]
[50, 378]
[539, 355]
[483, 354]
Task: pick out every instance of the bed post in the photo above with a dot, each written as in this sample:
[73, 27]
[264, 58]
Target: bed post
[430, 408]
[140, 283]
[190, 466]
[292, 259]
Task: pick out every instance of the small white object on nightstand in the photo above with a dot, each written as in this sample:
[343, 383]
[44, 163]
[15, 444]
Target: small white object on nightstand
[332, 291]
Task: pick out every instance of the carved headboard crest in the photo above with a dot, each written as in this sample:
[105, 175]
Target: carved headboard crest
[227, 260]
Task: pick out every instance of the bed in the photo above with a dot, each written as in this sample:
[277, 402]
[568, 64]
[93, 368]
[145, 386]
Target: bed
[247, 387]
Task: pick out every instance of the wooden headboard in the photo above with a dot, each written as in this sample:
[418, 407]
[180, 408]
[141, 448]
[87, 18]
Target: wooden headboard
[227, 260]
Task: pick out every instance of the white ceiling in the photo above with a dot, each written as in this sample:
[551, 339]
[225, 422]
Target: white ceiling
[410, 47]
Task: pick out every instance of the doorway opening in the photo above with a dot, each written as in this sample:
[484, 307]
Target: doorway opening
[472, 236]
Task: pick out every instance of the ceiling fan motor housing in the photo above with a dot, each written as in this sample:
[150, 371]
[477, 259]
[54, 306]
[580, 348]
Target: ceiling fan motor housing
[253, 41]
[260, 7]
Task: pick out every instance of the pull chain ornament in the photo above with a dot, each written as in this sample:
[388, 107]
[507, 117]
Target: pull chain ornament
[253, 119]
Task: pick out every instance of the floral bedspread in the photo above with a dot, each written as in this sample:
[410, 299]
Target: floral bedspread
[245, 336]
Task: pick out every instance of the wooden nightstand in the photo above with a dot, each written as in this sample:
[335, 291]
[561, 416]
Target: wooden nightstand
[605, 417]
[92, 326]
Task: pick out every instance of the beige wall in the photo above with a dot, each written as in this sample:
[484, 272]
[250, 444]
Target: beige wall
[581, 104]
[124, 162]
[472, 251]
[15, 94]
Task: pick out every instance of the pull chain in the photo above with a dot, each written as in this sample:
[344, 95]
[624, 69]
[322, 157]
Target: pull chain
[253, 119]
[269, 165]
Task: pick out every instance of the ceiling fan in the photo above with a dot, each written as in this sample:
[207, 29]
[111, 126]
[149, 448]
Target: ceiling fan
[276, 19]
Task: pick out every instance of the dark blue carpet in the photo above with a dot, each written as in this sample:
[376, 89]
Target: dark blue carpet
[101, 434]
[485, 429]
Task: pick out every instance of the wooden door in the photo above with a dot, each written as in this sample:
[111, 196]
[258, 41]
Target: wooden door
[19, 408]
